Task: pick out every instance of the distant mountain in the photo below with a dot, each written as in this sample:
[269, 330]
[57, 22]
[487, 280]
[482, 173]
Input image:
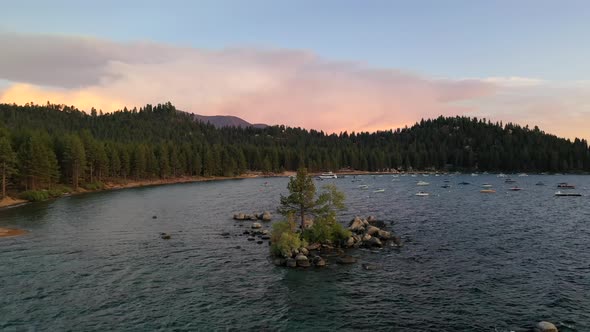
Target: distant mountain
[227, 121]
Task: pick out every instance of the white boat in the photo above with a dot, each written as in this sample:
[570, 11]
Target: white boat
[379, 191]
[363, 187]
[422, 183]
[559, 193]
[523, 174]
[421, 193]
[501, 175]
[328, 175]
[474, 174]
[486, 185]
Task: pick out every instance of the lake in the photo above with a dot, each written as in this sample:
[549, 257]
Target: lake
[471, 261]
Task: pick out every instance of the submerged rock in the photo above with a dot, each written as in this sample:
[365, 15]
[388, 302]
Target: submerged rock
[545, 327]
[165, 236]
[256, 225]
[370, 267]
[346, 260]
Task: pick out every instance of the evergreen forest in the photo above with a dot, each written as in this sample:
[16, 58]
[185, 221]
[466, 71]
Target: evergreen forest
[44, 146]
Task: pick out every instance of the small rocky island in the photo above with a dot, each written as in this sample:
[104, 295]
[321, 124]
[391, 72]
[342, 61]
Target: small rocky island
[309, 234]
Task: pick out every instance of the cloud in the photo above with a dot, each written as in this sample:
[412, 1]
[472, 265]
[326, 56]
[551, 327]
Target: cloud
[274, 86]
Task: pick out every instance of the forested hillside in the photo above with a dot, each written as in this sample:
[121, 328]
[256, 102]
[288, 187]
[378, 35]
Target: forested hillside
[41, 146]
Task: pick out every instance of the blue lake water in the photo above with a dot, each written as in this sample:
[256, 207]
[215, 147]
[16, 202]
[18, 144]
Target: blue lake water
[471, 261]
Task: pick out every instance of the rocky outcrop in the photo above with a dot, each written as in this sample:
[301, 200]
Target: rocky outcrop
[264, 216]
[368, 233]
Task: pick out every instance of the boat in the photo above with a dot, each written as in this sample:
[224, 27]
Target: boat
[328, 175]
[566, 185]
[501, 175]
[464, 183]
[487, 191]
[539, 184]
[509, 180]
[474, 174]
[486, 185]
[422, 183]
[379, 191]
[363, 187]
[559, 193]
[515, 188]
[523, 174]
[445, 186]
[422, 193]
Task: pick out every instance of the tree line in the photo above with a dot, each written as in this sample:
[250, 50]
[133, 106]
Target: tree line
[45, 145]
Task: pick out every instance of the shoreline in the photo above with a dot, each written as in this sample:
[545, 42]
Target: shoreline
[9, 202]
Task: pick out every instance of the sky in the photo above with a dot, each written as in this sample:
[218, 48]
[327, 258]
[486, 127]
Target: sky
[327, 65]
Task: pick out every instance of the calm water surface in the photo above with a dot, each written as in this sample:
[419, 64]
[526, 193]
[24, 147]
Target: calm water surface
[471, 262]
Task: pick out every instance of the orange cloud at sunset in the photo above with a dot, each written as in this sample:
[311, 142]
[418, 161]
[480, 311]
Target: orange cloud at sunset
[288, 87]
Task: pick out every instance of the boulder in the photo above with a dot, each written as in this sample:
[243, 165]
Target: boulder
[383, 235]
[251, 239]
[265, 237]
[346, 260]
[356, 225]
[366, 237]
[290, 262]
[154, 217]
[545, 327]
[253, 217]
[239, 216]
[349, 242]
[378, 223]
[304, 251]
[266, 216]
[371, 219]
[303, 263]
[313, 246]
[260, 242]
[373, 242]
[256, 225]
[264, 232]
[372, 230]
[319, 262]
[300, 257]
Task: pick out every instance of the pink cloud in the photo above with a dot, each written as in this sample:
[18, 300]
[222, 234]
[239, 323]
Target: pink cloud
[273, 86]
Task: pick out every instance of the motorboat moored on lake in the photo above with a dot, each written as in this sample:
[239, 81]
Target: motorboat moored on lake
[486, 185]
[422, 193]
[328, 175]
[539, 184]
[559, 193]
[515, 188]
[379, 191]
[487, 191]
[422, 183]
[565, 185]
